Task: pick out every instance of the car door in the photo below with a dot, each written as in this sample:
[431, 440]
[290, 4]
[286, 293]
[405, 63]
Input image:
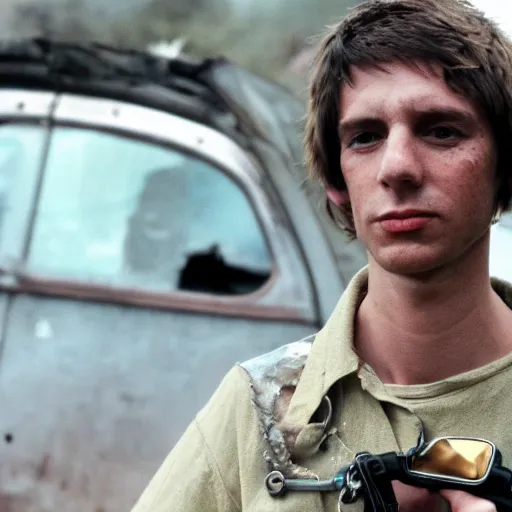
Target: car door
[151, 261]
[24, 121]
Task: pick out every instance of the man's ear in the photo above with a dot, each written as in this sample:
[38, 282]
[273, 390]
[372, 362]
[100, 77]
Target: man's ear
[338, 197]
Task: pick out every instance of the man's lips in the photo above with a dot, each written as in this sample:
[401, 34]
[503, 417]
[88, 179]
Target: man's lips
[405, 220]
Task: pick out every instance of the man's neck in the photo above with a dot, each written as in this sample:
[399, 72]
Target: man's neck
[425, 329]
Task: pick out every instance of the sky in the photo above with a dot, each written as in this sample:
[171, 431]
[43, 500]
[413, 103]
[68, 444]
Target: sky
[499, 10]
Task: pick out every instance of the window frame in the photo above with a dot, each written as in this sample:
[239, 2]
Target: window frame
[286, 296]
[20, 107]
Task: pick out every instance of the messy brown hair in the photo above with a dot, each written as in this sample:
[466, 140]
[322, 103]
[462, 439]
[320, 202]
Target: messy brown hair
[472, 51]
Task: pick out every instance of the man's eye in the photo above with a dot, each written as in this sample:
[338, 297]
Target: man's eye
[444, 133]
[363, 139]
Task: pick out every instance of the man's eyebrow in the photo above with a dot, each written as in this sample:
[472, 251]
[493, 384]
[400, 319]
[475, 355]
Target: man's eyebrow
[445, 114]
[424, 116]
[357, 123]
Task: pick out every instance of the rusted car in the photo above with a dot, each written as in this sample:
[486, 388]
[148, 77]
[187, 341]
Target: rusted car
[156, 226]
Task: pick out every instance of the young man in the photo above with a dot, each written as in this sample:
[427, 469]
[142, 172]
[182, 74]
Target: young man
[409, 123]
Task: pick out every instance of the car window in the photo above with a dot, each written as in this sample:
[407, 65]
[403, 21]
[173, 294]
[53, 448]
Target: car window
[126, 212]
[21, 151]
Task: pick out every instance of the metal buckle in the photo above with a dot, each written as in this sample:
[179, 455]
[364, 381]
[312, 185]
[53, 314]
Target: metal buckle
[350, 491]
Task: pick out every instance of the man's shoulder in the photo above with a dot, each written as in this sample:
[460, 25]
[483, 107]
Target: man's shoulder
[260, 380]
[282, 365]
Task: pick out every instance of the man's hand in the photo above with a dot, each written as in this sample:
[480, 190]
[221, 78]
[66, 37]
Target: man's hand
[463, 502]
[412, 499]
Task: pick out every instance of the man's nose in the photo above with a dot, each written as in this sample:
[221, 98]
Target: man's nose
[400, 166]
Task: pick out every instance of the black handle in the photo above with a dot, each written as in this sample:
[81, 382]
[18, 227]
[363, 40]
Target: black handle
[378, 491]
[379, 471]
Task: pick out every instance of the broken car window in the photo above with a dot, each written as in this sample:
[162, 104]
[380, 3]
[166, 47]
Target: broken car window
[125, 212]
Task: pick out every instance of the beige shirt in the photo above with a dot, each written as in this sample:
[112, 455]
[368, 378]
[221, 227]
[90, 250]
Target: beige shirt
[218, 465]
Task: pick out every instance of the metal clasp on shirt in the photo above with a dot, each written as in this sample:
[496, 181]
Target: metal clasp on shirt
[278, 485]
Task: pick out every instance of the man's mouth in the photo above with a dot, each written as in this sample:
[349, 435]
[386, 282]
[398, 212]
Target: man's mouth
[401, 221]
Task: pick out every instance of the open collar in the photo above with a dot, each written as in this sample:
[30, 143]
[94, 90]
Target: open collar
[332, 356]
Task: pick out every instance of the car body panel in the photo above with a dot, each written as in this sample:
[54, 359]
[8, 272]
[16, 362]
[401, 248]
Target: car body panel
[95, 395]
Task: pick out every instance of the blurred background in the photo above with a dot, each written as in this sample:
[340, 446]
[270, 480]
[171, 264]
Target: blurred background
[270, 37]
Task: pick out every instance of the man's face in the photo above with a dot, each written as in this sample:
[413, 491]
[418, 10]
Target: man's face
[419, 161]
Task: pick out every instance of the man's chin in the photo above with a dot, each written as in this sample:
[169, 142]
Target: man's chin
[410, 270]
[408, 263]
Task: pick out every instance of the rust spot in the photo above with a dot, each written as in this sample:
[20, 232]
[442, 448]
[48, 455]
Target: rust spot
[43, 468]
[64, 485]
[7, 504]
[100, 509]
[11, 503]
[127, 398]
[85, 485]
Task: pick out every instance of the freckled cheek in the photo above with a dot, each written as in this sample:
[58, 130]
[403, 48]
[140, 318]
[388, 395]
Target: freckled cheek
[472, 179]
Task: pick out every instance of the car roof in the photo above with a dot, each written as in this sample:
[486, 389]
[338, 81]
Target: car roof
[214, 91]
